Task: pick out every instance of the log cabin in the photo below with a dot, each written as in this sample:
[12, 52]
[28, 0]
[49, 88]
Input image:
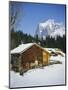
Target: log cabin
[30, 55]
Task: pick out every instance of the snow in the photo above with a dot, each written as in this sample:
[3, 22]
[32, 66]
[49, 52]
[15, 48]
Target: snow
[21, 48]
[51, 28]
[50, 49]
[49, 75]
[58, 32]
[55, 50]
[46, 23]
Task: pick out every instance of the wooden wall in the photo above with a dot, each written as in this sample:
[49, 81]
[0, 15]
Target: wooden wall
[45, 58]
[32, 57]
[32, 54]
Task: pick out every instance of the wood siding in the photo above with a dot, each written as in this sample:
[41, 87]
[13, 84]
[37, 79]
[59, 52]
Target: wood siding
[32, 57]
[34, 53]
[45, 58]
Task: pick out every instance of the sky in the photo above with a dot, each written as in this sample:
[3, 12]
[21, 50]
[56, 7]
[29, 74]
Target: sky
[31, 14]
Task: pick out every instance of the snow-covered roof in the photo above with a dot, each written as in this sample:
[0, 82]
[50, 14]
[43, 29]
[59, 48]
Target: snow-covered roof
[51, 49]
[23, 47]
[55, 50]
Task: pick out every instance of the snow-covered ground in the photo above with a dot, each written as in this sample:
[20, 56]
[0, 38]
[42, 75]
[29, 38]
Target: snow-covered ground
[49, 75]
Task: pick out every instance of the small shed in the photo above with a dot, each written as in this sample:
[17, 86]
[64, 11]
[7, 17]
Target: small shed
[29, 55]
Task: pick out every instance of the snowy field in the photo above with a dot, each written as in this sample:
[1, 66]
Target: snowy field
[49, 75]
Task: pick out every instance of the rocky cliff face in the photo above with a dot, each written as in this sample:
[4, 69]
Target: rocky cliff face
[51, 28]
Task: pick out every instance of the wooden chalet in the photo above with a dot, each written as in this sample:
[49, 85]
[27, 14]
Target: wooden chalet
[27, 56]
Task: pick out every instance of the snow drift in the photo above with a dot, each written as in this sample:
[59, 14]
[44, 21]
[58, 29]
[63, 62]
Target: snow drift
[49, 75]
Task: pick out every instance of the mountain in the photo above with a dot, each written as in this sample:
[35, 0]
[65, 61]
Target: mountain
[50, 28]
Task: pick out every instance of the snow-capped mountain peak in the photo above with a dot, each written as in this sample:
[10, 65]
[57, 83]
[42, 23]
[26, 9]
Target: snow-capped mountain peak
[51, 28]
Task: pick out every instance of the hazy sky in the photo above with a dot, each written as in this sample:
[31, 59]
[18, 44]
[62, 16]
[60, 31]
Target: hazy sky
[31, 14]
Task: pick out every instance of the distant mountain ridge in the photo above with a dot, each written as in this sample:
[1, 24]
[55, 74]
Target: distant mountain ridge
[50, 28]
